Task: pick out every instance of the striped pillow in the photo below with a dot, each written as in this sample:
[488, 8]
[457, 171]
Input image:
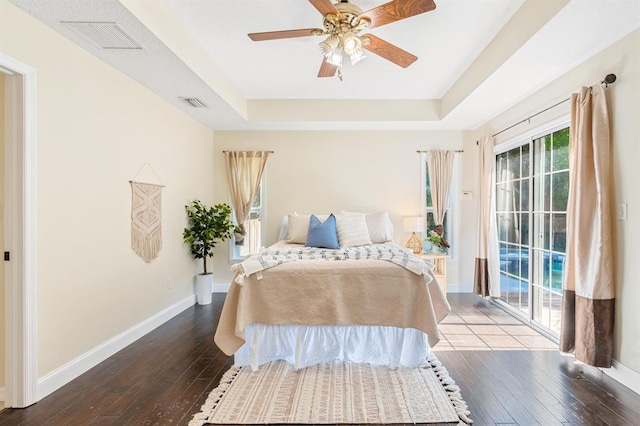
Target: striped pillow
[352, 230]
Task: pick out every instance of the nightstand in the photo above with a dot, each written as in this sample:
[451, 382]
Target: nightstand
[439, 262]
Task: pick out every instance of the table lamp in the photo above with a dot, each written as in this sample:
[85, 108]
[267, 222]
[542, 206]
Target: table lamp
[413, 224]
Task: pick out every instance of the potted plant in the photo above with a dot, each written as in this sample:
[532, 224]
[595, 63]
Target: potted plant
[207, 227]
[435, 241]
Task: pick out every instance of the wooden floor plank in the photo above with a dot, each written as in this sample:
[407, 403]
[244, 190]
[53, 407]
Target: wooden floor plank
[165, 377]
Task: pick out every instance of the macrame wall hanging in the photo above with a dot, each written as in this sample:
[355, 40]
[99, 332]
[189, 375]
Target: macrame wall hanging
[146, 216]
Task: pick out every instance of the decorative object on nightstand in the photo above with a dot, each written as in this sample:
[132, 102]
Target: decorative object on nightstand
[413, 224]
[436, 241]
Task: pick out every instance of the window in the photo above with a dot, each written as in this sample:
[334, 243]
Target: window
[532, 189]
[447, 224]
[254, 237]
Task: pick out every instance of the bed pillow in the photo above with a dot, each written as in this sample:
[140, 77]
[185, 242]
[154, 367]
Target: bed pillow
[352, 230]
[322, 234]
[379, 226]
[298, 226]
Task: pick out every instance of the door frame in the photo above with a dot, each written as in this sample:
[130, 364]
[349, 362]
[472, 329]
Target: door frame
[20, 234]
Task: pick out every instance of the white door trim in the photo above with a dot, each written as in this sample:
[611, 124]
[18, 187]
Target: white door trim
[20, 235]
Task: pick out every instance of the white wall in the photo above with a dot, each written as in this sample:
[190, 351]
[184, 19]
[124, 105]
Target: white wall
[330, 171]
[95, 129]
[622, 59]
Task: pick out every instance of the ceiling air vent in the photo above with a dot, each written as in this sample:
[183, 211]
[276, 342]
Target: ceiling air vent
[105, 35]
[194, 102]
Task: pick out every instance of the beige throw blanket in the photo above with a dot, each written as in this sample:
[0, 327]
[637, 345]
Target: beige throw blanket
[364, 292]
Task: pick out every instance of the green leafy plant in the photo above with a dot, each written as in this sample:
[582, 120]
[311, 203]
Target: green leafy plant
[207, 227]
[434, 238]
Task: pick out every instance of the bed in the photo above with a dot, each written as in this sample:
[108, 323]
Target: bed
[366, 303]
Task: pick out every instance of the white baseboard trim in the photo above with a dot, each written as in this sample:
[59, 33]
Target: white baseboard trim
[74, 368]
[1, 397]
[459, 288]
[623, 374]
[220, 288]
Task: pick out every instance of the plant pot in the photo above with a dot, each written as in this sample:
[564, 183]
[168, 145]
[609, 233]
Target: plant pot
[204, 288]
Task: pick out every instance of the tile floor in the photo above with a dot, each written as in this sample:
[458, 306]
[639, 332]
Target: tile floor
[487, 327]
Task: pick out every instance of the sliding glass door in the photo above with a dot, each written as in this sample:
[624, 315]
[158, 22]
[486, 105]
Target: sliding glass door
[532, 188]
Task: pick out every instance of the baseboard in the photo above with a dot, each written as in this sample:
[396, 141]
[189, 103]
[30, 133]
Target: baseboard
[459, 288]
[74, 368]
[1, 397]
[623, 374]
[220, 288]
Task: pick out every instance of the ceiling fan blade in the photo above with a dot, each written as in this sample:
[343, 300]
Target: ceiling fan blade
[274, 35]
[397, 10]
[326, 69]
[325, 7]
[389, 51]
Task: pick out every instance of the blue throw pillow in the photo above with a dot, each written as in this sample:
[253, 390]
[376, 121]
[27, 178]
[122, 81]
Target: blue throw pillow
[322, 234]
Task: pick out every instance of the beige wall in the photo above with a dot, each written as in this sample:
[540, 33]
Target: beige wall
[330, 171]
[2, 309]
[95, 129]
[622, 59]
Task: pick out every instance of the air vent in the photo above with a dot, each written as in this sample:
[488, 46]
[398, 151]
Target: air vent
[105, 35]
[194, 102]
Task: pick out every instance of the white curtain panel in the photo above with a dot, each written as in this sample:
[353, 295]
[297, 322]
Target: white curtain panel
[244, 172]
[589, 285]
[440, 168]
[487, 275]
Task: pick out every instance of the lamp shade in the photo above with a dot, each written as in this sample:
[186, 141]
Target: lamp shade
[413, 224]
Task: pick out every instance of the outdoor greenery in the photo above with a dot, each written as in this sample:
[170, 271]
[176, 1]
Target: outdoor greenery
[207, 227]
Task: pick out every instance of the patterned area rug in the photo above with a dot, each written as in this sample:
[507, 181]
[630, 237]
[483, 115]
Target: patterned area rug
[335, 393]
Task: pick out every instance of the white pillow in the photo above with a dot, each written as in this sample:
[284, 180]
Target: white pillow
[298, 225]
[352, 230]
[379, 226]
[283, 232]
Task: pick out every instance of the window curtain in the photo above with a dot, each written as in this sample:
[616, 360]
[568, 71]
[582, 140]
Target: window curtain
[244, 173]
[440, 168]
[589, 286]
[486, 280]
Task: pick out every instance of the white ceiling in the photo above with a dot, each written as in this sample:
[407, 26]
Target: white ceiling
[476, 58]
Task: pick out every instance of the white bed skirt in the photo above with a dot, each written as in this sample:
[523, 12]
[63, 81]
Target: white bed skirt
[306, 345]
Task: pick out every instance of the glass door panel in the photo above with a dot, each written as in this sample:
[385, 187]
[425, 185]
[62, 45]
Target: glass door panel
[532, 188]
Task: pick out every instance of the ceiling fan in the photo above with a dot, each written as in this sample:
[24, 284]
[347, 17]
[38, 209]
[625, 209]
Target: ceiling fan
[343, 23]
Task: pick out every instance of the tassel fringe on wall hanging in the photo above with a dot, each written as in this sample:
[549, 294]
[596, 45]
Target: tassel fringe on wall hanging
[146, 219]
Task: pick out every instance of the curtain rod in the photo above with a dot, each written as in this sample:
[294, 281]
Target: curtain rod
[224, 152]
[609, 79]
[424, 152]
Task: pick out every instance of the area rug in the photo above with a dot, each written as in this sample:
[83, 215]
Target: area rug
[335, 393]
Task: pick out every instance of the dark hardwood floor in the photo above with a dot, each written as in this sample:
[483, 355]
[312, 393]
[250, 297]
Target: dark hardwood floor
[165, 377]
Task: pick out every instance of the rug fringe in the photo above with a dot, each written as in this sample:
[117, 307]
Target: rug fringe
[453, 391]
[215, 396]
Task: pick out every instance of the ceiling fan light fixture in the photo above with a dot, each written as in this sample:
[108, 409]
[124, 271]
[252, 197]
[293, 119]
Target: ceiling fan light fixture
[357, 56]
[328, 45]
[335, 57]
[338, 45]
[350, 42]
